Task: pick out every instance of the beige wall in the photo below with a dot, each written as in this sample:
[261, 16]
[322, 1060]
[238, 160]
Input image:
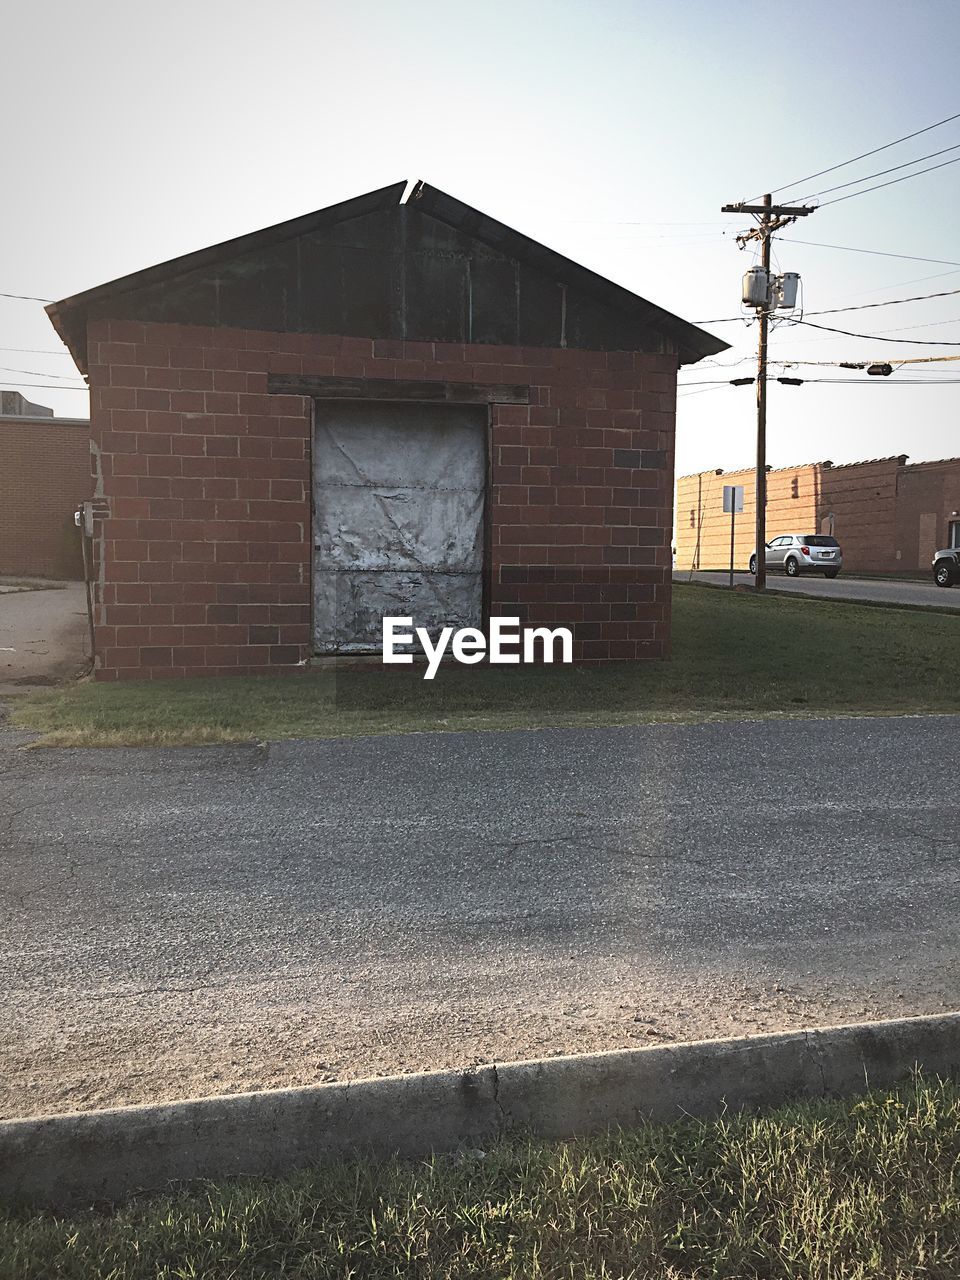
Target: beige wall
[860, 498]
[703, 531]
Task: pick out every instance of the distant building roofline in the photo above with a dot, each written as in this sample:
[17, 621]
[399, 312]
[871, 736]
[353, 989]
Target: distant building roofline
[7, 418]
[899, 458]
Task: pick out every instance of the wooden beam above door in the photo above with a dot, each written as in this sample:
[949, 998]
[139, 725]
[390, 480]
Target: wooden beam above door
[321, 387]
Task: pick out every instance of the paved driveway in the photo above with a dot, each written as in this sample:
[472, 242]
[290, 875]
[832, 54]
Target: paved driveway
[179, 922]
[43, 634]
[887, 591]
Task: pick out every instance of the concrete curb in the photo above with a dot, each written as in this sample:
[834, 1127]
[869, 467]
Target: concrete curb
[742, 587]
[58, 1161]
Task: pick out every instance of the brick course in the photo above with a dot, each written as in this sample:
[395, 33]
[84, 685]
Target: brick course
[205, 558]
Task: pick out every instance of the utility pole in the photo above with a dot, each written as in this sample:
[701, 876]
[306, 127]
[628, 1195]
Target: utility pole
[761, 483]
[770, 218]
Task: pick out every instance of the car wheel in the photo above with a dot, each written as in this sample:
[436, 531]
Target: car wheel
[791, 568]
[943, 575]
[753, 564]
[831, 573]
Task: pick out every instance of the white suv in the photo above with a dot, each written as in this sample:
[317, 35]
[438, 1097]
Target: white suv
[797, 553]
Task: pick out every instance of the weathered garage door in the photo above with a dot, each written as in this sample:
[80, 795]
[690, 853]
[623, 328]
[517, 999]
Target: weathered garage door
[398, 519]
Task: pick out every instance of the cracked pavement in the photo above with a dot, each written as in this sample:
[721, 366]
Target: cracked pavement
[180, 922]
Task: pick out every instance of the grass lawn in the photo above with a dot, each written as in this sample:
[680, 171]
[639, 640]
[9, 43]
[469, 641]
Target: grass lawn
[734, 655]
[828, 1190]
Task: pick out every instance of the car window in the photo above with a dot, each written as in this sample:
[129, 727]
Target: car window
[820, 540]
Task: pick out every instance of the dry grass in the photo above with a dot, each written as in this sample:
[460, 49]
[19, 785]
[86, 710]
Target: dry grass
[863, 1190]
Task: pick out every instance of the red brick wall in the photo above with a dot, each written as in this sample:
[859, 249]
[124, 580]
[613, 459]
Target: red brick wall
[44, 476]
[862, 497]
[205, 557]
[927, 495]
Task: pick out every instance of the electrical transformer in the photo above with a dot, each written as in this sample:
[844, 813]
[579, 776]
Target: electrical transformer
[756, 287]
[785, 290]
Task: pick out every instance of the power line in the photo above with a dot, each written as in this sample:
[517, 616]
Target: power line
[862, 306]
[725, 319]
[928, 324]
[847, 382]
[36, 351]
[860, 363]
[892, 183]
[681, 395]
[882, 172]
[901, 284]
[49, 386]
[907, 328]
[876, 150]
[913, 342]
[25, 297]
[896, 382]
[636, 222]
[908, 257]
[42, 373]
[901, 361]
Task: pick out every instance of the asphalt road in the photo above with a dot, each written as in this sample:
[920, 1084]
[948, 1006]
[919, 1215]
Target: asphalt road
[884, 590]
[181, 922]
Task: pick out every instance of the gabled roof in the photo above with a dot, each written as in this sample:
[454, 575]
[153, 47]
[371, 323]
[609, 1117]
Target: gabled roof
[514, 244]
[119, 297]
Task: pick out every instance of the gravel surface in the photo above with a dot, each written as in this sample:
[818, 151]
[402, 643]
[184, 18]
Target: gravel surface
[178, 922]
[881, 590]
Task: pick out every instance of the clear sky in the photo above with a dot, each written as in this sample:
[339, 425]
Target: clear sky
[612, 131]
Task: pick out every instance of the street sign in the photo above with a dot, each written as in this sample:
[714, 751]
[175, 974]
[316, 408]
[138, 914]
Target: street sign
[733, 504]
[733, 498]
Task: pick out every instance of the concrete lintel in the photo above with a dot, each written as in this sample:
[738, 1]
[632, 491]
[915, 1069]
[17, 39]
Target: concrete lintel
[322, 387]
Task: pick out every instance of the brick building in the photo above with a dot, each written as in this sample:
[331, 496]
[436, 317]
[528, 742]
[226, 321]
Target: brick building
[382, 407]
[888, 515]
[44, 476]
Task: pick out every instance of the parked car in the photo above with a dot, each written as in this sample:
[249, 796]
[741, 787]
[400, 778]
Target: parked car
[946, 567]
[797, 553]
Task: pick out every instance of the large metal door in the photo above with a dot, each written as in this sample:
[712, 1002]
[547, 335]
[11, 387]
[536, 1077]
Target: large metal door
[398, 519]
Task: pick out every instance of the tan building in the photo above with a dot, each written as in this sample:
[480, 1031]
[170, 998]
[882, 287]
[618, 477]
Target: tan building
[889, 516]
[44, 476]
